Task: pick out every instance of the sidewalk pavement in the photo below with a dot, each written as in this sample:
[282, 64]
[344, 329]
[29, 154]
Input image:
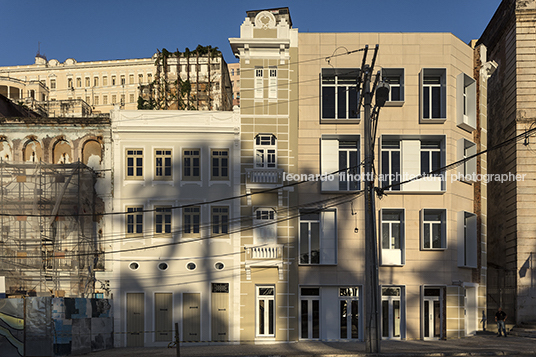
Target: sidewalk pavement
[480, 345]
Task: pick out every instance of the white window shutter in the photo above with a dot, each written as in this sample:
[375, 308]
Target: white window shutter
[259, 83]
[421, 216]
[461, 240]
[471, 164]
[272, 84]
[460, 83]
[328, 238]
[460, 149]
[471, 247]
[330, 163]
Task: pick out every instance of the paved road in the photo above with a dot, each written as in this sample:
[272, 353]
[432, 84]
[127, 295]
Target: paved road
[486, 345]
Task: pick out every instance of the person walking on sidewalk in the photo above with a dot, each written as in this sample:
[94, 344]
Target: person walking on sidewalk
[500, 318]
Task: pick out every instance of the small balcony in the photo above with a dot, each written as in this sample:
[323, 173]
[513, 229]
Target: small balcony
[264, 178]
[270, 255]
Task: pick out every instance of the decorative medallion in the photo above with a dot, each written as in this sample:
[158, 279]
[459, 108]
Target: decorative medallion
[265, 20]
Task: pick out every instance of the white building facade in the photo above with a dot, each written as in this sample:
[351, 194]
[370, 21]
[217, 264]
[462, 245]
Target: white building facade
[173, 243]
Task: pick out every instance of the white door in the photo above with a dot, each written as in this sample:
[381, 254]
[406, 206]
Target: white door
[391, 311]
[471, 310]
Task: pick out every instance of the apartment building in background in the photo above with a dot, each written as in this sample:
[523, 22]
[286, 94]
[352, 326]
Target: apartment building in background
[234, 72]
[103, 84]
[511, 42]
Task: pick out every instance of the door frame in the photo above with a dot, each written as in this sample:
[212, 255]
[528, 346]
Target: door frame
[441, 299]
[360, 323]
[126, 314]
[402, 299]
[471, 321]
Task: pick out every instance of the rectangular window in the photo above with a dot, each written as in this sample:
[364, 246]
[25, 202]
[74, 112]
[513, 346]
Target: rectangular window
[113, 80]
[310, 313]
[430, 157]
[191, 218]
[140, 78]
[191, 164]
[130, 79]
[78, 82]
[96, 100]
[88, 82]
[467, 240]
[88, 99]
[265, 311]
[434, 93]
[272, 83]
[392, 237]
[340, 161]
[134, 164]
[433, 228]
[104, 80]
[162, 222]
[122, 99]
[220, 221]
[265, 223]
[114, 99]
[466, 102]
[318, 237]
[104, 99]
[395, 78]
[131, 98]
[134, 220]
[162, 159]
[149, 77]
[70, 83]
[265, 151]
[340, 97]
[259, 82]
[123, 81]
[95, 81]
[390, 174]
[220, 164]
[52, 84]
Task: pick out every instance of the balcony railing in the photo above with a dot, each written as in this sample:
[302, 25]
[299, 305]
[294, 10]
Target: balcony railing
[264, 176]
[269, 255]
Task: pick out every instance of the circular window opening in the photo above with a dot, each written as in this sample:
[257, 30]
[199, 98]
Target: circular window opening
[219, 266]
[162, 266]
[134, 266]
[191, 266]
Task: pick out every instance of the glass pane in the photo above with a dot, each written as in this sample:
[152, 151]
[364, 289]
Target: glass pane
[354, 170]
[385, 169]
[355, 319]
[271, 317]
[395, 238]
[315, 243]
[426, 318]
[395, 93]
[385, 235]
[396, 318]
[426, 242]
[436, 102]
[344, 319]
[266, 291]
[436, 160]
[436, 235]
[328, 102]
[426, 102]
[425, 162]
[304, 319]
[395, 165]
[353, 102]
[385, 318]
[310, 291]
[437, 319]
[261, 317]
[316, 319]
[341, 102]
[304, 243]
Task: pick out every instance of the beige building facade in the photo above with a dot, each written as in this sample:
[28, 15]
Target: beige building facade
[511, 42]
[267, 49]
[234, 73]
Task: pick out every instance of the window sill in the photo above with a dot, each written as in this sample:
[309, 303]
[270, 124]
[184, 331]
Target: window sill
[416, 192]
[340, 121]
[433, 249]
[316, 265]
[432, 121]
[394, 103]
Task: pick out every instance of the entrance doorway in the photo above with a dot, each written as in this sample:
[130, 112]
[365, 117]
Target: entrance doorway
[432, 313]
[391, 307]
[349, 313]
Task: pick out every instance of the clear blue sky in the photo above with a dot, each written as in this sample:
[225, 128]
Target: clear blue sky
[117, 29]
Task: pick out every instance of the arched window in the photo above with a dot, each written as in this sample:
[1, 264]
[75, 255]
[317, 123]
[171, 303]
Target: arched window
[5, 151]
[32, 152]
[92, 154]
[62, 152]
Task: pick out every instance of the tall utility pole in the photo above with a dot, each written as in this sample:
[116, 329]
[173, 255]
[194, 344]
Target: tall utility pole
[372, 296]
[372, 330]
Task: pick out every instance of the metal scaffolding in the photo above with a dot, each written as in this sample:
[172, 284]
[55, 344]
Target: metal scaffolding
[48, 241]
